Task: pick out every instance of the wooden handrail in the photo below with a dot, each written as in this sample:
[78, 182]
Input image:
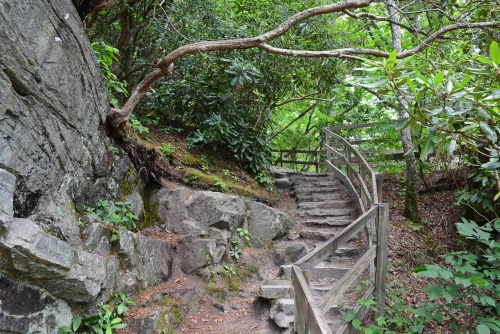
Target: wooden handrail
[374, 219]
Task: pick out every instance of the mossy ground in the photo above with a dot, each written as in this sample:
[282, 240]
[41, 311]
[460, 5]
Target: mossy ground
[206, 170]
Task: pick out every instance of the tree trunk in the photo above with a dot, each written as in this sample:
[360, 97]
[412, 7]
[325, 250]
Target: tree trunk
[411, 172]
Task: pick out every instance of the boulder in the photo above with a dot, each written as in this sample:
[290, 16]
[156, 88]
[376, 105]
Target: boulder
[266, 223]
[41, 259]
[196, 253]
[183, 211]
[143, 261]
[282, 312]
[290, 253]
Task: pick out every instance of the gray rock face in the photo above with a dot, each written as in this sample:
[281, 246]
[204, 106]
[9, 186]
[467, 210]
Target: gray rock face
[51, 91]
[29, 310]
[197, 253]
[7, 187]
[31, 254]
[282, 312]
[207, 220]
[143, 261]
[267, 223]
[183, 211]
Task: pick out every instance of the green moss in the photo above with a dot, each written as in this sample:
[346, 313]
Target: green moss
[172, 317]
[218, 291]
[150, 209]
[191, 160]
[126, 186]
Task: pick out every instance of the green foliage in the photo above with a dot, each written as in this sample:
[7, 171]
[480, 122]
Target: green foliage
[167, 149]
[137, 126]
[228, 173]
[106, 55]
[237, 241]
[469, 283]
[454, 111]
[204, 163]
[106, 322]
[219, 185]
[112, 149]
[230, 270]
[114, 214]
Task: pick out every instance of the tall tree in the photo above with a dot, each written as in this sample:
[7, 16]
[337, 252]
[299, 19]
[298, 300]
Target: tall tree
[411, 175]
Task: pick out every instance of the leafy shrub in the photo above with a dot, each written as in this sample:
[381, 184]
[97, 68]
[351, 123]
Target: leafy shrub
[106, 55]
[105, 322]
[219, 185]
[114, 214]
[167, 149]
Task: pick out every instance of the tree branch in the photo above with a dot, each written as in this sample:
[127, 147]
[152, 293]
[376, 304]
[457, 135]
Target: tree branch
[165, 65]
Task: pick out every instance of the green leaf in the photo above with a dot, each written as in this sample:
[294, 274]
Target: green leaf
[426, 148]
[77, 321]
[479, 281]
[487, 300]
[66, 329]
[116, 321]
[495, 52]
[489, 132]
[422, 78]
[451, 147]
[402, 123]
[435, 291]
[356, 323]
[438, 78]
[483, 329]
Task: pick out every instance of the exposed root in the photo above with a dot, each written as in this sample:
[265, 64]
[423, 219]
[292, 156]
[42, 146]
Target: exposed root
[149, 162]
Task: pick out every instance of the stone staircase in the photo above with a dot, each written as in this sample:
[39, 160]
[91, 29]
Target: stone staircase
[325, 208]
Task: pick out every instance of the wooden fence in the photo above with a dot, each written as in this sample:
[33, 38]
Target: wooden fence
[365, 187]
[317, 157]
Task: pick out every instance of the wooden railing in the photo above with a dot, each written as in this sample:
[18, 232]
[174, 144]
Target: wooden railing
[293, 160]
[365, 187]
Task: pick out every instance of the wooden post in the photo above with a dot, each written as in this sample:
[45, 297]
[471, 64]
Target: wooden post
[305, 268]
[316, 160]
[328, 142]
[282, 158]
[380, 280]
[379, 181]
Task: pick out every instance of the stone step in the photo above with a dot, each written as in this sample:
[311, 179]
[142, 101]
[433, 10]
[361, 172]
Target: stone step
[318, 197]
[328, 221]
[316, 184]
[312, 190]
[338, 204]
[276, 289]
[322, 234]
[300, 175]
[320, 272]
[325, 213]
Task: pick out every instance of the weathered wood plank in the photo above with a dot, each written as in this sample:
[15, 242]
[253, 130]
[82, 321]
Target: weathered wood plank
[352, 190]
[380, 277]
[351, 126]
[330, 246]
[296, 162]
[345, 282]
[300, 151]
[308, 319]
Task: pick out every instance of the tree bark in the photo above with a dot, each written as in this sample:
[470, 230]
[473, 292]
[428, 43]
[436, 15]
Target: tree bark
[411, 173]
